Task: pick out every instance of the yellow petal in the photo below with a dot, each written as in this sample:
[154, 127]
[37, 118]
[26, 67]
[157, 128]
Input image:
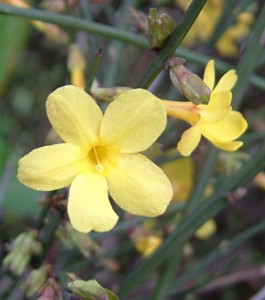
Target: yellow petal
[88, 205]
[189, 140]
[181, 175]
[50, 167]
[227, 82]
[209, 74]
[227, 146]
[227, 46]
[74, 115]
[138, 186]
[133, 121]
[218, 107]
[228, 129]
[186, 111]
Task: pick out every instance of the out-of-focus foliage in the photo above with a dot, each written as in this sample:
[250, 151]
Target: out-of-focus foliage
[209, 244]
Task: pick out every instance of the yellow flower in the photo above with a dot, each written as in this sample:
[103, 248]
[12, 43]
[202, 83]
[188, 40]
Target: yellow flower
[181, 175]
[207, 19]
[145, 239]
[216, 120]
[227, 43]
[100, 155]
[207, 230]
[76, 65]
[146, 245]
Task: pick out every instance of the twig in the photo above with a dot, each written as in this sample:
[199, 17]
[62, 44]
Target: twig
[232, 279]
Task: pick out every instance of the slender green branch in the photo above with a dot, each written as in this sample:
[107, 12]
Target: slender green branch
[114, 69]
[170, 266]
[75, 24]
[116, 34]
[205, 174]
[172, 43]
[44, 211]
[165, 279]
[93, 71]
[209, 208]
[221, 251]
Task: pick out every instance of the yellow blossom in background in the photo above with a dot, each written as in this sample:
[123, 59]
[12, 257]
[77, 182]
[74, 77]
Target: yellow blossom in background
[227, 43]
[204, 25]
[259, 180]
[206, 230]
[51, 31]
[100, 155]
[146, 245]
[216, 120]
[76, 65]
[19, 3]
[181, 175]
[145, 238]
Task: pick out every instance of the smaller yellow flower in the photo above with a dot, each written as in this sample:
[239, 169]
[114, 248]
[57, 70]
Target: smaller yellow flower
[100, 154]
[259, 180]
[181, 175]
[227, 43]
[146, 245]
[207, 19]
[207, 230]
[216, 120]
[145, 239]
[76, 65]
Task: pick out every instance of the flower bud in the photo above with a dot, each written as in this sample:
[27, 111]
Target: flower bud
[76, 65]
[90, 289]
[108, 94]
[36, 280]
[160, 27]
[146, 245]
[72, 238]
[187, 83]
[206, 230]
[23, 247]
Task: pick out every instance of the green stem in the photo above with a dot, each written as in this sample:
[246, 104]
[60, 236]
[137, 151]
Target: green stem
[172, 43]
[48, 235]
[44, 211]
[165, 278]
[114, 69]
[209, 208]
[116, 34]
[221, 251]
[204, 175]
[75, 23]
[93, 71]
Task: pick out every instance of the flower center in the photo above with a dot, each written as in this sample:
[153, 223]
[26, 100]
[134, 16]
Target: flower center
[101, 157]
[97, 155]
